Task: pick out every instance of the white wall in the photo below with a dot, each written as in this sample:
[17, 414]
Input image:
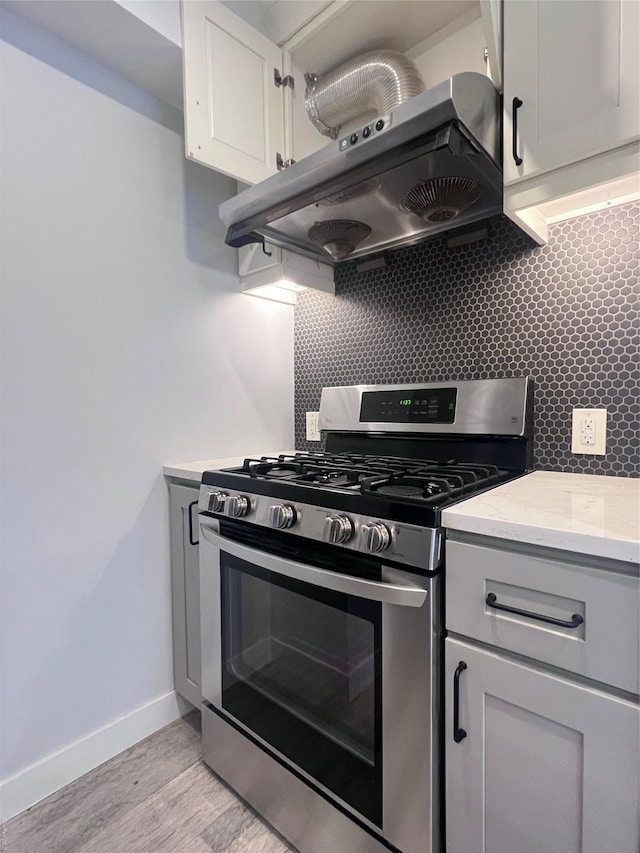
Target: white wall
[124, 346]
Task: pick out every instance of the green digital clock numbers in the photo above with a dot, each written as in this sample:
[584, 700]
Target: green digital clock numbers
[410, 406]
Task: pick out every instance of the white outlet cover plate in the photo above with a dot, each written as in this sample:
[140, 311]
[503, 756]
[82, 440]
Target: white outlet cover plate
[591, 423]
[313, 433]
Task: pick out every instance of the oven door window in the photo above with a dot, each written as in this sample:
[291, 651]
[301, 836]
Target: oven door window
[301, 668]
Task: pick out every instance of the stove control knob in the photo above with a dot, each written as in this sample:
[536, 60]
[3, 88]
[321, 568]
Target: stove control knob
[375, 536]
[216, 501]
[337, 529]
[236, 506]
[282, 516]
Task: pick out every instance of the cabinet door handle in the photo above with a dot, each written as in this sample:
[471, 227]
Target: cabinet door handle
[192, 541]
[516, 104]
[576, 619]
[458, 733]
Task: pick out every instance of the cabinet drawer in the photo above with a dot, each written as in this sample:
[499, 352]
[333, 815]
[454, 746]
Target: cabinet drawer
[602, 646]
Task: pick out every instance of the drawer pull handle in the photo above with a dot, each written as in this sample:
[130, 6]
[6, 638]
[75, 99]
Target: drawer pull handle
[575, 620]
[458, 733]
[515, 106]
[192, 541]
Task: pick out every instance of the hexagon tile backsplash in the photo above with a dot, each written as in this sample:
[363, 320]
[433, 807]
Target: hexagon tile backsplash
[565, 314]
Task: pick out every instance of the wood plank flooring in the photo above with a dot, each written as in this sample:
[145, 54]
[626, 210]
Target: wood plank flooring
[157, 797]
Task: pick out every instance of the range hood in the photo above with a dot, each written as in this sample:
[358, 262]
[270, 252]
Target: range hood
[428, 166]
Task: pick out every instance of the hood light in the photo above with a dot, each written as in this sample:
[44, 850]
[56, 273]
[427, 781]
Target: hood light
[609, 194]
[273, 292]
[290, 285]
[281, 275]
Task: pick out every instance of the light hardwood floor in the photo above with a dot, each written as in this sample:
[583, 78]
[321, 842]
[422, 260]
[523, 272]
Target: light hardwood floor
[157, 797]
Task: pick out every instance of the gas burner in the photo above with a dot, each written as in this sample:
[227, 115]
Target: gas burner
[330, 476]
[270, 467]
[434, 483]
[412, 488]
[401, 491]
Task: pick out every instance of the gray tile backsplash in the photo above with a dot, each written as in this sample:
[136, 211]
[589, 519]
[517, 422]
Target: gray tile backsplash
[565, 314]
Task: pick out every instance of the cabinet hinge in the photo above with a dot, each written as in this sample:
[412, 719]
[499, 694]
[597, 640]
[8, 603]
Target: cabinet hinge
[283, 81]
[282, 164]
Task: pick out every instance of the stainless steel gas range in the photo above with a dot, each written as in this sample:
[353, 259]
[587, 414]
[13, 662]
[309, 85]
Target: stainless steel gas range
[322, 583]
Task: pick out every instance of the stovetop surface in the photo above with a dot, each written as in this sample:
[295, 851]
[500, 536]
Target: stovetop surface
[393, 487]
[413, 480]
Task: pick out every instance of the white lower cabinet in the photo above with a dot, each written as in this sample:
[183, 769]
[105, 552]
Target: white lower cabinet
[543, 764]
[185, 591]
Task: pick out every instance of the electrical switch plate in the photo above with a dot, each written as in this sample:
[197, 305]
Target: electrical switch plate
[589, 431]
[313, 433]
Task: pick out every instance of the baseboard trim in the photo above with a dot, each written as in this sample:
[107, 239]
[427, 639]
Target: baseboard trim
[43, 778]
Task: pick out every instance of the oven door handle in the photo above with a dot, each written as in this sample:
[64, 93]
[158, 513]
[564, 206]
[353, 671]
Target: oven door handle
[387, 593]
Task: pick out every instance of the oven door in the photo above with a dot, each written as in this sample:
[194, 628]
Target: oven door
[330, 671]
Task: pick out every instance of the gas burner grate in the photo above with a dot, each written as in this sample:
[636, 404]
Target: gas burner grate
[435, 484]
[415, 489]
[369, 462]
[405, 479]
[270, 467]
[401, 491]
[332, 476]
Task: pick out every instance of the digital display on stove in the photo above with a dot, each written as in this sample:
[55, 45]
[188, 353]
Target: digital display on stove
[415, 406]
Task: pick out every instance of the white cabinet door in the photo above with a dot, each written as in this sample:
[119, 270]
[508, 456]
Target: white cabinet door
[574, 66]
[185, 587]
[233, 109]
[491, 13]
[546, 765]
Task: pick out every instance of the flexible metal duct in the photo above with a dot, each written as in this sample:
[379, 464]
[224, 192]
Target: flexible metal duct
[380, 81]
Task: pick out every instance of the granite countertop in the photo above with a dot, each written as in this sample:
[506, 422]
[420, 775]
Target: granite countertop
[583, 513]
[194, 470]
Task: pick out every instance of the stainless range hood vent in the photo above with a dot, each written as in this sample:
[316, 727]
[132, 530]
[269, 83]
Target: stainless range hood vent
[339, 237]
[429, 165]
[441, 199]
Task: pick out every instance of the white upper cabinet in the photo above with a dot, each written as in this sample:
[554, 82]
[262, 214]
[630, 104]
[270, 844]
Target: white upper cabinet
[232, 106]
[492, 23]
[237, 119]
[574, 67]
[571, 79]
